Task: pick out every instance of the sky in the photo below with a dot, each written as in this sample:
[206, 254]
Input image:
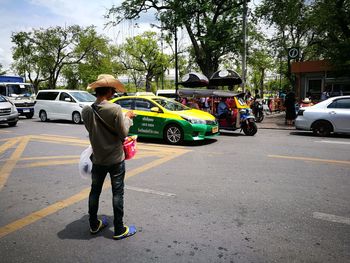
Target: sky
[23, 15]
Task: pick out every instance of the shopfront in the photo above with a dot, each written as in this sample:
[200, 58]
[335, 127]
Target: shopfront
[314, 77]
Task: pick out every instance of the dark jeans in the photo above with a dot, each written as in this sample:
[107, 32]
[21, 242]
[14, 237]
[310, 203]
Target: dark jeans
[117, 174]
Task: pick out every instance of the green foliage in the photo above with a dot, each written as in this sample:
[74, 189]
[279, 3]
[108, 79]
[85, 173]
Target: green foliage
[331, 21]
[2, 72]
[142, 58]
[292, 21]
[214, 27]
[43, 53]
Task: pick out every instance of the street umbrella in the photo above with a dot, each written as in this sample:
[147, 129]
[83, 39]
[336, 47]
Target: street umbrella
[194, 79]
[225, 77]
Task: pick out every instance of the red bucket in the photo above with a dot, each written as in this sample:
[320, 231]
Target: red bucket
[129, 146]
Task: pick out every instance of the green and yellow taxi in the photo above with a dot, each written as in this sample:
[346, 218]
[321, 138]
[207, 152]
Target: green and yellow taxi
[160, 117]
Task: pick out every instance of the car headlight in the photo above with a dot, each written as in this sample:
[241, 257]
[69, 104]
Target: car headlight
[194, 120]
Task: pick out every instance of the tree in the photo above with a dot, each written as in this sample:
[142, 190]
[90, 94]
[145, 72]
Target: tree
[142, 54]
[331, 21]
[214, 27]
[43, 53]
[2, 72]
[292, 21]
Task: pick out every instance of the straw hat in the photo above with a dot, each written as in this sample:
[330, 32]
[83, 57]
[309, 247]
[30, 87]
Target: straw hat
[306, 100]
[106, 80]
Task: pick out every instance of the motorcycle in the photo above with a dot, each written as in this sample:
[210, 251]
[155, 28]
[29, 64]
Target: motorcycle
[258, 112]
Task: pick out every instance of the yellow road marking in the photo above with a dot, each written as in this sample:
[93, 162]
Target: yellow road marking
[310, 159]
[11, 163]
[49, 157]
[56, 136]
[8, 144]
[34, 217]
[51, 163]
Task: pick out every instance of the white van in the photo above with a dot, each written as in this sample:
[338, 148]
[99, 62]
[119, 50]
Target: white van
[61, 104]
[169, 93]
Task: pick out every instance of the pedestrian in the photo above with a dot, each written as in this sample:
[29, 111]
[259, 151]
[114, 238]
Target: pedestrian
[289, 104]
[325, 94]
[108, 154]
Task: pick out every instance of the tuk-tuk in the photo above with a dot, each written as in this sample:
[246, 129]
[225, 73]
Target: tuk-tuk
[239, 113]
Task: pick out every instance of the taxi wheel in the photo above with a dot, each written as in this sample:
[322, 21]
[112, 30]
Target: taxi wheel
[173, 134]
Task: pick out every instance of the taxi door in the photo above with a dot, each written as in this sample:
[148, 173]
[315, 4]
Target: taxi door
[146, 122]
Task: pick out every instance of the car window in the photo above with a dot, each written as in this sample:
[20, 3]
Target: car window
[144, 105]
[170, 104]
[3, 90]
[47, 95]
[2, 99]
[340, 104]
[64, 96]
[83, 96]
[125, 103]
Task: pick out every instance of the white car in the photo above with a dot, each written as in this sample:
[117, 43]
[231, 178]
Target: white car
[8, 112]
[61, 104]
[331, 115]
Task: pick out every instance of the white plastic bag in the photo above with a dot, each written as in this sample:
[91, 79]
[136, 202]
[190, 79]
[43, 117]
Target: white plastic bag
[85, 164]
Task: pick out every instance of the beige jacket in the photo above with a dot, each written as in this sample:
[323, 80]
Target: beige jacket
[107, 148]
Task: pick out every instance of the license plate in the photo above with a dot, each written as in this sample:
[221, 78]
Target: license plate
[215, 129]
[26, 110]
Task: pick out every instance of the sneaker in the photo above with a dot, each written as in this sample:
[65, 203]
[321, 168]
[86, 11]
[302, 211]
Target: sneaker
[129, 231]
[102, 223]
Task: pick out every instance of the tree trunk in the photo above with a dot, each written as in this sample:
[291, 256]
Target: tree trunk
[148, 83]
[262, 83]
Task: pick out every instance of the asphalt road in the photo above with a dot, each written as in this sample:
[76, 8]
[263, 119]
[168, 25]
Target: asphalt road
[280, 196]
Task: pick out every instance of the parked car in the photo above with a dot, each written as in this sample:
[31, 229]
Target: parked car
[160, 117]
[331, 115]
[8, 112]
[61, 104]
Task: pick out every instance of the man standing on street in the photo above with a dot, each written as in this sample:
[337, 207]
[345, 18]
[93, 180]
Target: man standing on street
[106, 137]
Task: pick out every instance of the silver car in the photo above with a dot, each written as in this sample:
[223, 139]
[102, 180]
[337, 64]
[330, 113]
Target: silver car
[8, 112]
[331, 115]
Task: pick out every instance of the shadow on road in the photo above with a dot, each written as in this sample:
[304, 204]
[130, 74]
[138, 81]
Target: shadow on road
[310, 134]
[79, 230]
[185, 143]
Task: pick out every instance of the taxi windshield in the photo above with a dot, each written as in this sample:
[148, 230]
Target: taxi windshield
[170, 104]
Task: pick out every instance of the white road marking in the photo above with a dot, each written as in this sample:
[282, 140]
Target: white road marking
[336, 142]
[149, 191]
[332, 218]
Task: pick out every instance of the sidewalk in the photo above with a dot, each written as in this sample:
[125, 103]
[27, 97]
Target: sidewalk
[274, 121]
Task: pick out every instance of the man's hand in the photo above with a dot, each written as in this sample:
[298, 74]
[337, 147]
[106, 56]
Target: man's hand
[130, 114]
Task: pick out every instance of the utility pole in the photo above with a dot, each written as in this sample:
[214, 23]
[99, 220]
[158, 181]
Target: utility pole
[244, 55]
[176, 64]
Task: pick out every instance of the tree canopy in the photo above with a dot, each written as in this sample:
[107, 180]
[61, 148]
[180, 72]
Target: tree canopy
[214, 27]
[43, 53]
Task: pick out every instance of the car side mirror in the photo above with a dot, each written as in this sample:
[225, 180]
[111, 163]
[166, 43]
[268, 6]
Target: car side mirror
[155, 109]
[67, 99]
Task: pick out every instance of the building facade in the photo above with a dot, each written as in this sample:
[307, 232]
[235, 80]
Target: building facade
[314, 77]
